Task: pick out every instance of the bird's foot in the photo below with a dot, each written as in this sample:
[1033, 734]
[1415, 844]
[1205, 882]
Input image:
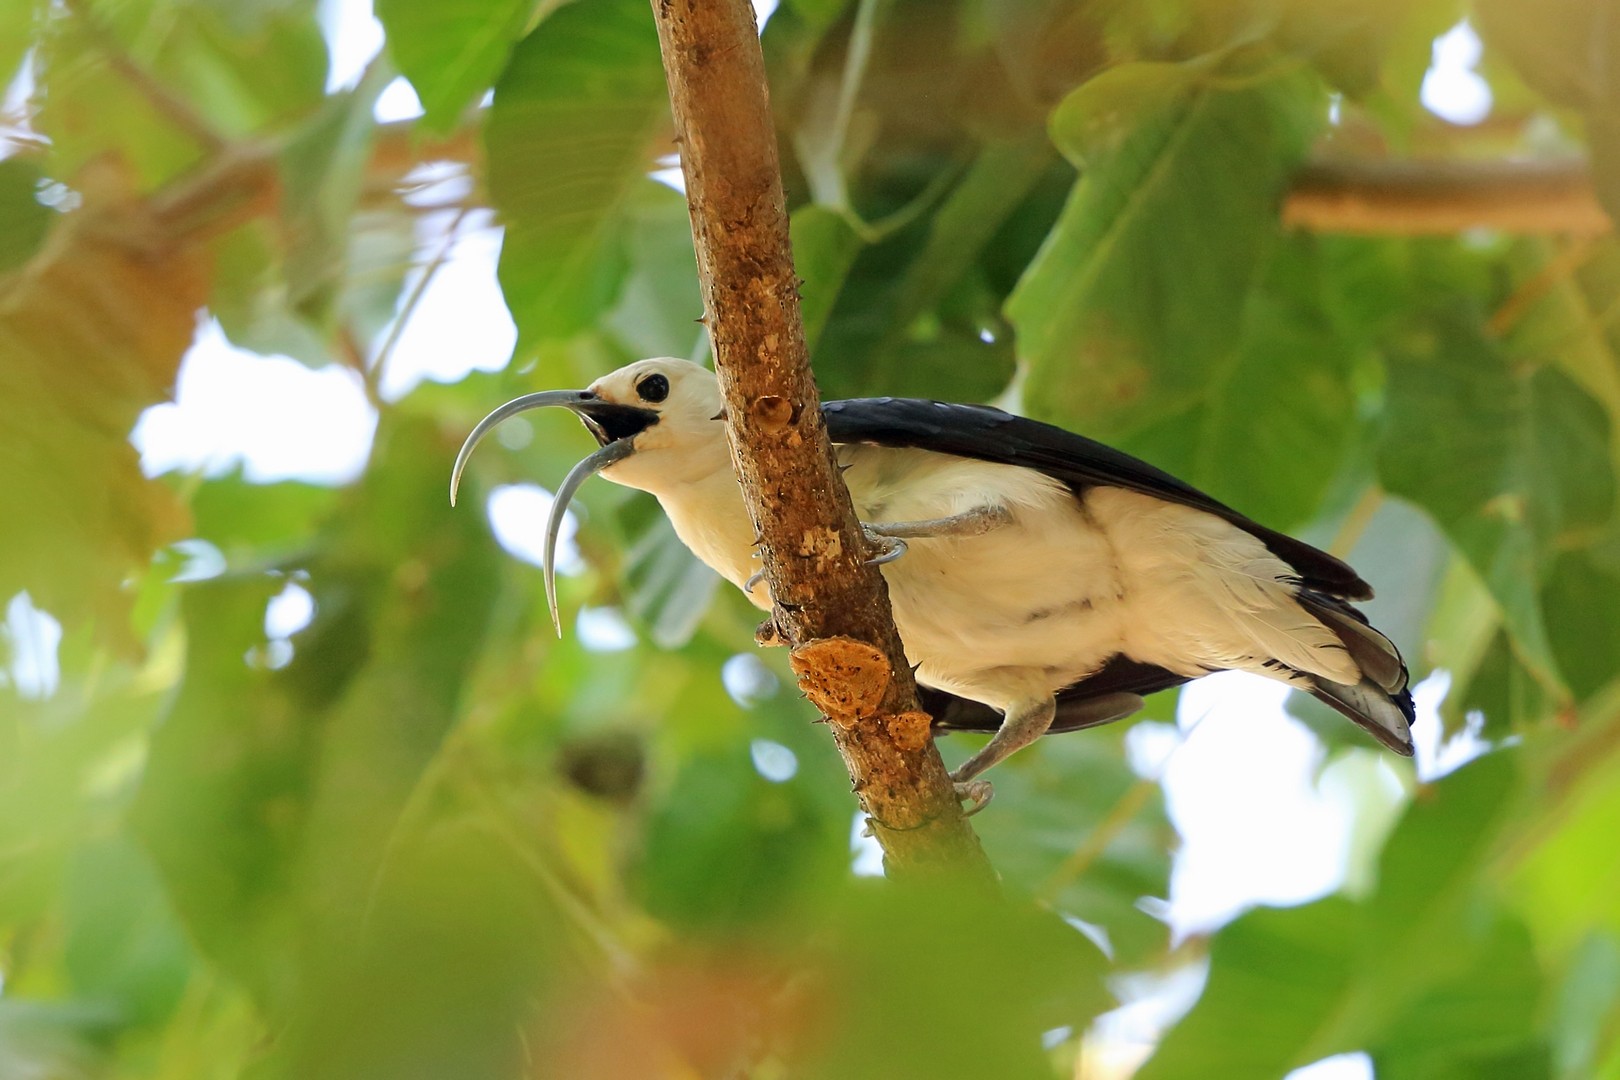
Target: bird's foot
[888, 548]
[976, 793]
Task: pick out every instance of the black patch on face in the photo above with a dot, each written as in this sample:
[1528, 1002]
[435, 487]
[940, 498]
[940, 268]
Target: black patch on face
[610, 422]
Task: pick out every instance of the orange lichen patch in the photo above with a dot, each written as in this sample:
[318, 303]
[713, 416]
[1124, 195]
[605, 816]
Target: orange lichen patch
[910, 730]
[842, 677]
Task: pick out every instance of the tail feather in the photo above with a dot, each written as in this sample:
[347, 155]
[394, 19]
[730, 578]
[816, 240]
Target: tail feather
[1381, 702]
[1385, 716]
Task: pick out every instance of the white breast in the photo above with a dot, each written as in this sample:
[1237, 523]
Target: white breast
[1026, 609]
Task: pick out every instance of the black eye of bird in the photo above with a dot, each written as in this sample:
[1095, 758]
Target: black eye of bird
[653, 388]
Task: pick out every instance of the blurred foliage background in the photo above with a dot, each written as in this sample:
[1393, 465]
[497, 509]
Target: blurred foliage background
[403, 832]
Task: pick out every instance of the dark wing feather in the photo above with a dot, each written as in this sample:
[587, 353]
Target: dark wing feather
[1120, 679]
[988, 434]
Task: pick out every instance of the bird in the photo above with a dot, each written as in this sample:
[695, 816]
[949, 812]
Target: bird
[1041, 581]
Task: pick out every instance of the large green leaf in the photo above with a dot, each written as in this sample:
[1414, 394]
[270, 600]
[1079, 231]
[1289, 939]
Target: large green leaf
[570, 137]
[452, 52]
[1289, 366]
[273, 790]
[1288, 987]
[1133, 305]
[1512, 462]
[1061, 795]
[1276, 977]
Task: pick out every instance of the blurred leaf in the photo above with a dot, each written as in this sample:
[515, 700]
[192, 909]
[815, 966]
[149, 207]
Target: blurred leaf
[912, 318]
[91, 332]
[1587, 1003]
[17, 24]
[124, 947]
[1566, 881]
[452, 52]
[261, 523]
[658, 309]
[54, 1042]
[895, 965]
[146, 79]
[220, 804]
[1129, 310]
[1484, 1023]
[1290, 367]
[569, 139]
[1054, 805]
[1276, 980]
[1291, 986]
[667, 588]
[1523, 463]
[323, 170]
[725, 846]
[270, 818]
[824, 249]
[24, 220]
[440, 979]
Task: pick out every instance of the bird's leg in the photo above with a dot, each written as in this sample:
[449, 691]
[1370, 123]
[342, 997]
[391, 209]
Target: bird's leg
[889, 537]
[1022, 724]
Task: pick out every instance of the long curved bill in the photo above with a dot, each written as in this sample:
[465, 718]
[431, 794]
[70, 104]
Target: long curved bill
[580, 401]
[570, 399]
[612, 452]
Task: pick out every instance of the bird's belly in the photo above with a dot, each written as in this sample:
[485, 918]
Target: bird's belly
[1015, 613]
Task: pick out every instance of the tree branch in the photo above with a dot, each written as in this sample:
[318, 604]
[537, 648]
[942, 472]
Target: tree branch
[831, 606]
[1409, 198]
[1361, 195]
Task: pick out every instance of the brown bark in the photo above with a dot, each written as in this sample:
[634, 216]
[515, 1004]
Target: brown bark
[831, 607]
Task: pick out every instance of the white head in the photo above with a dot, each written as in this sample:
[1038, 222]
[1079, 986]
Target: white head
[683, 439]
[658, 422]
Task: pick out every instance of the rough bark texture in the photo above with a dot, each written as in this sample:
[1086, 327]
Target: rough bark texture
[831, 608]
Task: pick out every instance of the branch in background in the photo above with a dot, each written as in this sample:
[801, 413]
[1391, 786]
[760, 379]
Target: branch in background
[1408, 198]
[1379, 196]
[831, 606]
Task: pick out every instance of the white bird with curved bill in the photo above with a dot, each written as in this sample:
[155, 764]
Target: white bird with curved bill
[1041, 581]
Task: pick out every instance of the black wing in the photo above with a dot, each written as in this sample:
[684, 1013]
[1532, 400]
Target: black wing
[1120, 676]
[988, 434]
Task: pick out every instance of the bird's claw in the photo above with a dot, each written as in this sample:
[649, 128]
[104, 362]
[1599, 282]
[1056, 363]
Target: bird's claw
[889, 548]
[976, 793]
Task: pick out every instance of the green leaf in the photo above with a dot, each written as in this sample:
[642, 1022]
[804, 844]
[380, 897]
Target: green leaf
[726, 847]
[824, 250]
[569, 139]
[124, 946]
[323, 167]
[1512, 462]
[24, 220]
[892, 961]
[1289, 366]
[1131, 308]
[451, 52]
[1054, 801]
[1483, 1023]
[659, 306]
[272, 791]
[1276, 978]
